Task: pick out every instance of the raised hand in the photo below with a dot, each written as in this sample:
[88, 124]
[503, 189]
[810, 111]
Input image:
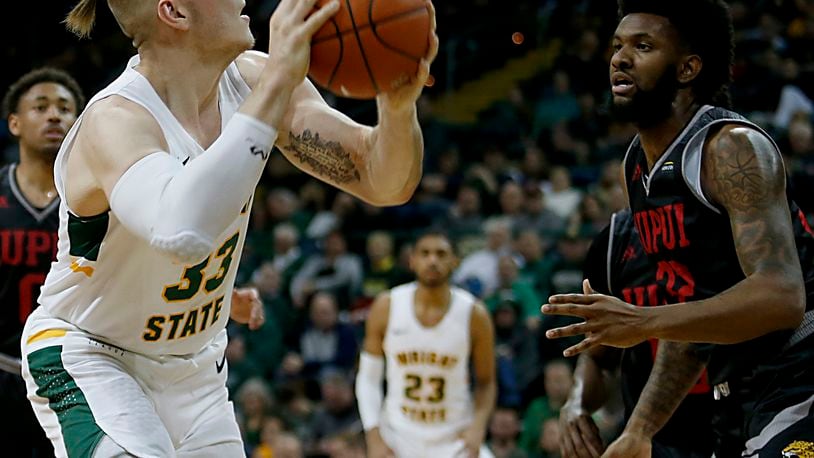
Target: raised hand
[406, 95]
[291, 27]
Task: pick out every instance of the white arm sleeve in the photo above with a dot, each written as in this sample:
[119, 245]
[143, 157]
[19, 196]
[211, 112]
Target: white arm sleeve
[181, 210]
[369, 393]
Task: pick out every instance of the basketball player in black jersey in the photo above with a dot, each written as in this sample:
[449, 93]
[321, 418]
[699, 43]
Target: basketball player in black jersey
[708, 193]
[617, 265]
[40, 107]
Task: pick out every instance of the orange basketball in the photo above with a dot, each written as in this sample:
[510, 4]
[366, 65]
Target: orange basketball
[370, 46]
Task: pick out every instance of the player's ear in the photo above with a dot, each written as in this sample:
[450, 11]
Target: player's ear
[690, 68]
[173, 13]
[14, 124]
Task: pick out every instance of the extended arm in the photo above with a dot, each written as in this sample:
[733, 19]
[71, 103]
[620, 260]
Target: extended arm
[380, 165]
[119, 159]
[743, 173]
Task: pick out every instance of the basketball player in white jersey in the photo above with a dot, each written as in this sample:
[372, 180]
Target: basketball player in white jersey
[125, 356]
[423, 336]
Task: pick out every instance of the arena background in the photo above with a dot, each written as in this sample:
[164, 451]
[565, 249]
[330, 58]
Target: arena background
[521, 165]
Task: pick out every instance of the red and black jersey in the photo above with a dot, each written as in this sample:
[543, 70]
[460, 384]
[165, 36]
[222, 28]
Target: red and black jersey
[28, 244]
[689, 242]
[617, 265]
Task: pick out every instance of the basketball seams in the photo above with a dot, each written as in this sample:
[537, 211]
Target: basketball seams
[341, 53]
[361, 47]
[381, 40]
[367, 26]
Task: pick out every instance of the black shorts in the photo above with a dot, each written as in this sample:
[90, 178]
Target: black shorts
[20, 433]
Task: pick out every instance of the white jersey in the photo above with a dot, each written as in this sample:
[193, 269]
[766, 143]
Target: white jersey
[428, 389]
[114, 285]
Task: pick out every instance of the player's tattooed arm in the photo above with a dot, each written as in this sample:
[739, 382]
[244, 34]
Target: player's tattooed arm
[743, 173]
[746, 177]
[676, 369]
[324, 157]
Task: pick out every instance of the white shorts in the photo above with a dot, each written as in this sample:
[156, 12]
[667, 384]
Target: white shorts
[409, 446]
[83, 389]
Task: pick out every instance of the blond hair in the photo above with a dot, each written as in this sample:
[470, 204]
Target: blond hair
[81, 18]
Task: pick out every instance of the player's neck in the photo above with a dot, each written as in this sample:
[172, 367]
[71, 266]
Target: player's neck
[433, 297]
[35, 177]
[657, 138]
[186, 82]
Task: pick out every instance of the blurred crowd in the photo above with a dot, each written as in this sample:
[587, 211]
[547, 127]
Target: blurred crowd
[522, 192]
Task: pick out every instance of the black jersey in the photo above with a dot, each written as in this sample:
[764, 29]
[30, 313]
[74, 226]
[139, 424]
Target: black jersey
[28, 244]
[689, 241]
[617, 265]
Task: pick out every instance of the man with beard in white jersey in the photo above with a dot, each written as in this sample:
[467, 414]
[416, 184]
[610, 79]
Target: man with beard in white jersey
[427, 333]
[125, 356]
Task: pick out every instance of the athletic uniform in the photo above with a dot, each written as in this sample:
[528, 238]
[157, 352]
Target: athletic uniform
[28, 243]
[689, 241]
[428, 402]
[618, 266]
[127, 343]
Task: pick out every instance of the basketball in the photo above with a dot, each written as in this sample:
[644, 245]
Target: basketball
[370, 46]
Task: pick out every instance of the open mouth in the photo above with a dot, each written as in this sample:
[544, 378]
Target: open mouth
[622, 84]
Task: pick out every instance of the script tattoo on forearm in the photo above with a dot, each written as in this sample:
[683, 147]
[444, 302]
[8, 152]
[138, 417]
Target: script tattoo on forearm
[326, 158]
[676, 369]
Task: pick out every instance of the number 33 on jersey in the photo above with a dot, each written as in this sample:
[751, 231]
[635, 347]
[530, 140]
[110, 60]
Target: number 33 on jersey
[194, 283]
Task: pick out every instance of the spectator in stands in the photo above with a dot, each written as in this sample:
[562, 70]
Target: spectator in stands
[558, 376]
[464, 217]
[381, 269]
[558, 104]
[534, 165]
[254, 403]
[478, 270]
[286, 253]
[336, 271]
[586, 65]
[272, 428]
[516, 345]
[536, 267]
[537, 217]
[511, 201]
[504, 427]
[337, 412]
[283, 205]
[511, 287]
[329, 220]
[561, 197]
[549, 439]
[326, 342]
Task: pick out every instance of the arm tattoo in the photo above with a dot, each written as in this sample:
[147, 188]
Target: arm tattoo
[676, 369]
[748, 181]
[326, 158]
[742, 181]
